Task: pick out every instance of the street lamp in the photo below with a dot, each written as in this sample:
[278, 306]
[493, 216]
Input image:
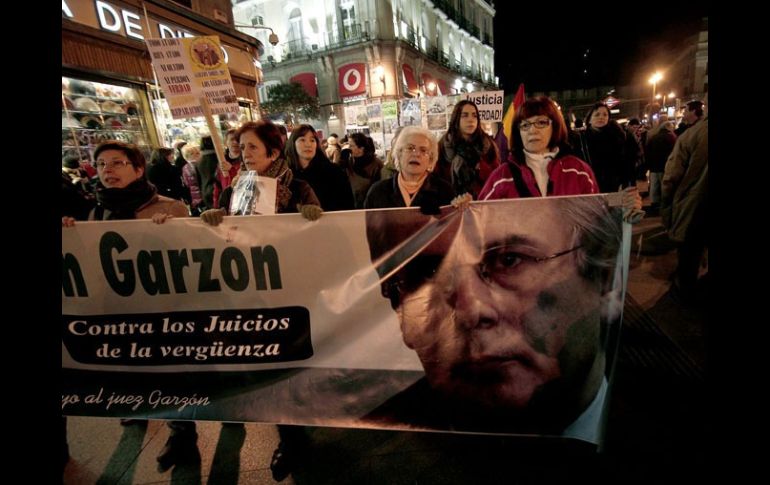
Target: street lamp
[670, 96]
[272, 38]
[654, 81]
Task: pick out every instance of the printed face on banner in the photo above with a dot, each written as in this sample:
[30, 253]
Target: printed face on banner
[253, 195]
[351, 79]
[505, 310]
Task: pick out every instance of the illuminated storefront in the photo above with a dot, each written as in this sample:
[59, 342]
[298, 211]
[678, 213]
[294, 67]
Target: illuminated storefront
[109, 90]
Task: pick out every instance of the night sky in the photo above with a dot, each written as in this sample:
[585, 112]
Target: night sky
[543, 45]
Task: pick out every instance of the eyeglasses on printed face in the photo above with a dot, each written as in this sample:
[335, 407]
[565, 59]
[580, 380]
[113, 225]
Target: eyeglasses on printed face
[113, 164]
[504, 265]
[422, 151]
[539, 124]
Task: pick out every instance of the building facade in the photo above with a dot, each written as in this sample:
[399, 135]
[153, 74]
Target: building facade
[357, 51]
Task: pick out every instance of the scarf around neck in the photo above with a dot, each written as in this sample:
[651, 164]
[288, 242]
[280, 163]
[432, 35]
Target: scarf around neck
[538, 162]
[409, 189]
[123, 203]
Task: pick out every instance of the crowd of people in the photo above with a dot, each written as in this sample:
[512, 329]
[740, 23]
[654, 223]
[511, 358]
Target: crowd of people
[545, 158]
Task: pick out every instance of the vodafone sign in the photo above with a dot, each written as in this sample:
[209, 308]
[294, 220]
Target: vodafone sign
[352, 80]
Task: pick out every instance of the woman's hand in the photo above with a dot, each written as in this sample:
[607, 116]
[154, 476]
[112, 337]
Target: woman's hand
[631, 198]
[67, 221]
[160, 218]
[213, 217]
[632, 205]
[310, 212]
[462, 202]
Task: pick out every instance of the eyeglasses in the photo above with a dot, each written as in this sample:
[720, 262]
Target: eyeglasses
[113, 164]
[422, 151]
[504, 265]
[539, 124]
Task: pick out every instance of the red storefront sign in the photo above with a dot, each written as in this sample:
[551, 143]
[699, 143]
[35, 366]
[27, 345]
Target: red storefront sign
[352, 80]
[308, 82]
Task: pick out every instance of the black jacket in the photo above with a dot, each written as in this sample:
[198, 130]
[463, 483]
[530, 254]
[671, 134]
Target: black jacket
[434, 193]
[330, 184]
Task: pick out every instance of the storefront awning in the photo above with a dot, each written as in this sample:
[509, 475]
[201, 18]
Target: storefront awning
[411, 83]
[308, 81]
[442, 87]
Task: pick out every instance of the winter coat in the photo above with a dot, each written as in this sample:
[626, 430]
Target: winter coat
[685, 182]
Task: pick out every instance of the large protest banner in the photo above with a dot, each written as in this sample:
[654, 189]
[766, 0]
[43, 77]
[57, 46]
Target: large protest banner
[500, 318]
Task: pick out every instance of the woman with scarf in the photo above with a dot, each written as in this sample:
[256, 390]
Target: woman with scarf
[467, 155]
[123, 192]
[262, 150]
[414, 185]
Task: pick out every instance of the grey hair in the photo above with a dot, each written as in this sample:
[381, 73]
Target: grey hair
[401, 143]
[596, 231]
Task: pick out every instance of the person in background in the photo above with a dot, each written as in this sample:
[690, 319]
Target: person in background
[309, 163]
[207, 169]
[164, 175]
[389, 169]
[660, 143]
[179, 161]
[364, 168]
[333, 149]
[191, 178]
[284, 133]
[501, 141]
[636, 153]
[603, 146]
[684, 207]
[228, 170]
[414, 185]
[692, 114]
[467, 155]
[77, 198]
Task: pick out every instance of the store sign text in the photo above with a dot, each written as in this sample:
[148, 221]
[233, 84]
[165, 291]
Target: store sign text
[116, 19]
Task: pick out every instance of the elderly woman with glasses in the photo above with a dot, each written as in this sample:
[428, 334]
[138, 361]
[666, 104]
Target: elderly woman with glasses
[415, 184]
[123, 191]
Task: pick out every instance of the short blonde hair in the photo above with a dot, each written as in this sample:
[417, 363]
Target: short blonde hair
[191, 153]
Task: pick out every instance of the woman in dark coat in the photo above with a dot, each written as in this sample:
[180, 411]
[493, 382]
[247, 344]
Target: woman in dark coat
[309, 163]
[603, 146]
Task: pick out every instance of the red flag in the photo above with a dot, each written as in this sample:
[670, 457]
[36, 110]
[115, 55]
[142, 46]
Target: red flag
[518, 100]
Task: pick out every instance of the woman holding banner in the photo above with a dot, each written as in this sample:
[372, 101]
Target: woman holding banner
[123, 192]
[467, 155]
[262, 149]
